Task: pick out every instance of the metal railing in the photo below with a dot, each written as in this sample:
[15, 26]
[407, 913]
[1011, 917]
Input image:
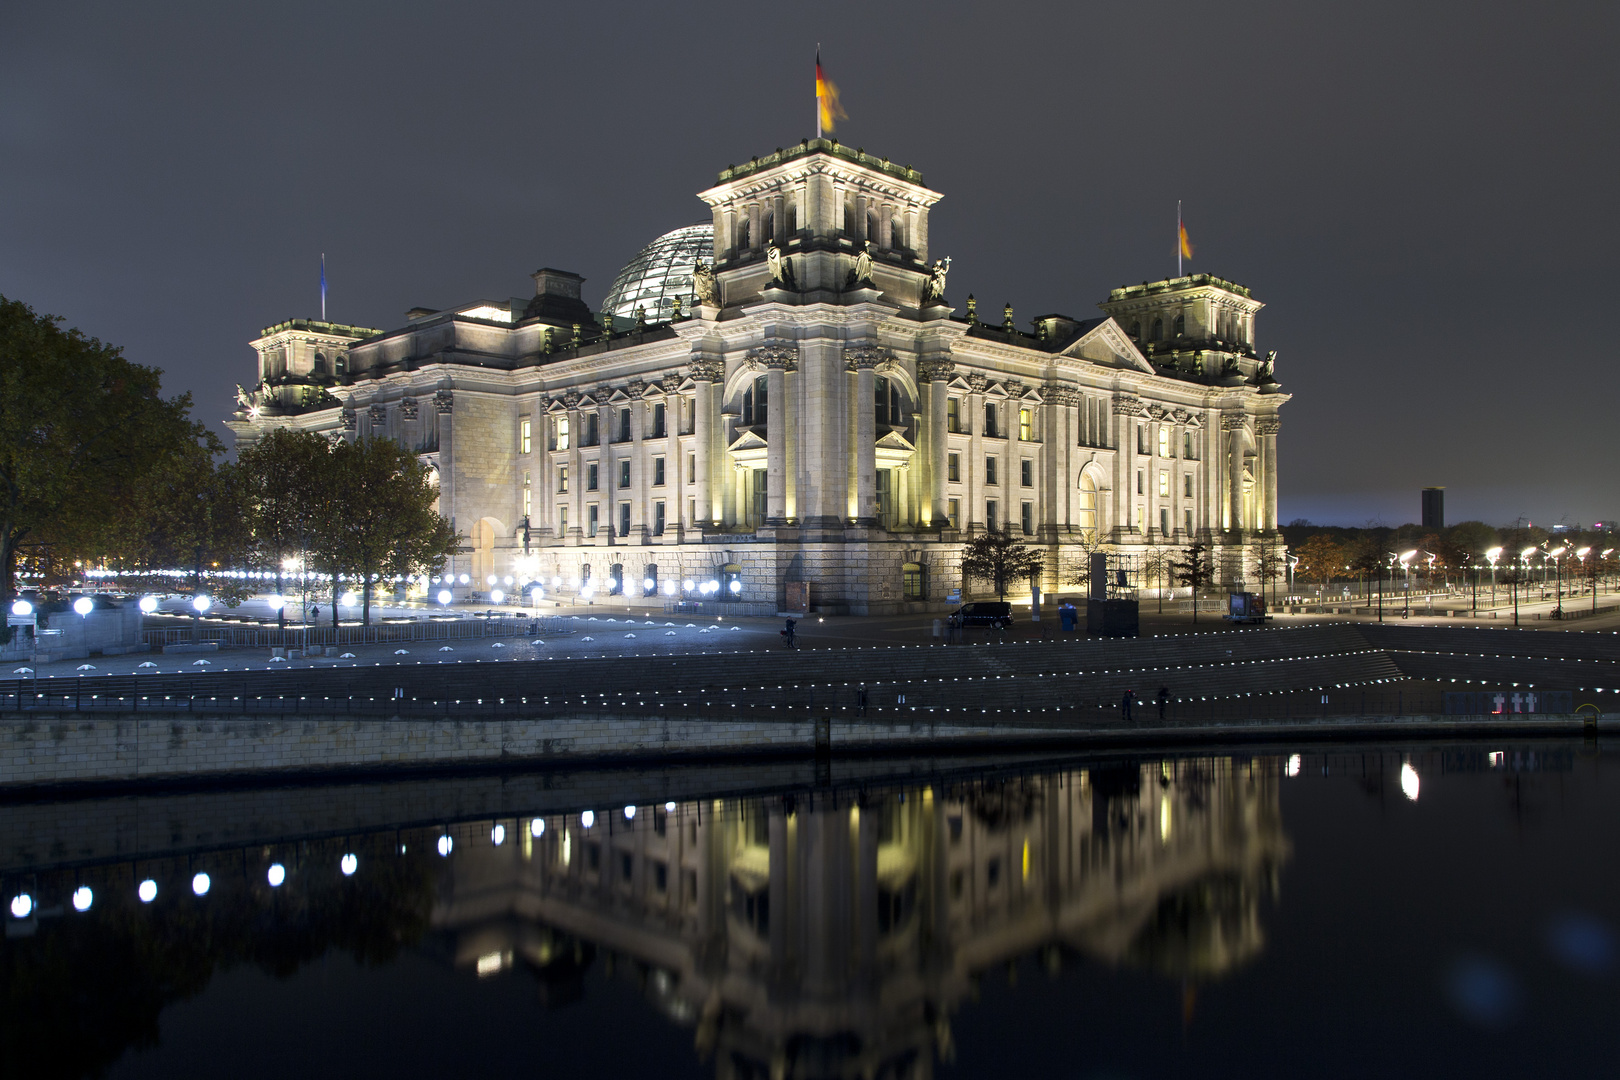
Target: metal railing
[378, 634]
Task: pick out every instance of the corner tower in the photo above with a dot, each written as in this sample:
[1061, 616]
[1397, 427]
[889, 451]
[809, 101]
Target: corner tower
[822, 206]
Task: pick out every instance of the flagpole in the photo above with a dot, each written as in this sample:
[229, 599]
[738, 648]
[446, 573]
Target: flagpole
[1178, 238]
[323, 286]
[818, 89]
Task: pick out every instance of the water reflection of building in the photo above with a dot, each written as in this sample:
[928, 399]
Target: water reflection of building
[835, 937]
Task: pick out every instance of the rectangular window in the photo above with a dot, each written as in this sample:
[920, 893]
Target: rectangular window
[560, 442]
[658, 519]
[624, 519]
[1140, 514]
[591, 477]
[1164, 483]
[1140, 488]
[658, 420]
[913, 581]
[1164, 520]
[1186, 445]
[592, 520]
[1026, 425]
[660, 874]
[593, 428]
[624, 425]
[953, 468]
[886, 402]
[658, 472]
[1027, 469]
[953, 415]
[1186, 485]
[562, 478]
[953, 510]
[528, 496]
[990, 513]
[526, 436]
[990, 419]
[1028, 518]
[1186, 517]
[562, 521]
[691, 510]
[1141, 438]
[624, 473]
[1164, 441]
[990, 470]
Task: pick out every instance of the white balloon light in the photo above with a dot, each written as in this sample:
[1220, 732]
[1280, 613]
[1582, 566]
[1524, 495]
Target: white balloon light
[22, 905]
[83, 898]
[537, 828]
[200, 884]
[147, 891]
[497, 835]
[446, 845]
[349, 864]
[84, 605]
[276, 875]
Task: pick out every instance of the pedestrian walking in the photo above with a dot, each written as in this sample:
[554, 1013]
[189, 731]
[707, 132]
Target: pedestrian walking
[1164, 700]
[860, 699]
[1125, 705]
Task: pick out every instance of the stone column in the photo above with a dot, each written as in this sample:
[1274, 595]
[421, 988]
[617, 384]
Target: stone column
[934, 378]
[1232, 424]
[862, 359]
[443, 409]
[640, 469]
[778, 357]
[905, 515]
[1057, 437]
[973, 512]
[705, 373]
[1125, 412]
[1267, 430]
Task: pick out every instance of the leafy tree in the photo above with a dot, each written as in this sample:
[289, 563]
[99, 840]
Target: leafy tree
[183, 514]
[996, 557]
[1194, 569]
[379, 520]
[80, 428]
[1320, 558]
[286, 486]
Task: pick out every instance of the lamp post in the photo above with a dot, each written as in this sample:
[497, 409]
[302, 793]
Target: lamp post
[1491, 556]
[1556, 554]
[1406, 586]
[1524, 562]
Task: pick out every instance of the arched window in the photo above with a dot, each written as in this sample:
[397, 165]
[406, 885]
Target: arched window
[886, 401]
[731, 583]
[914, 581]
[1086, 515]
[340, 365]
[319, 367]
[754, 402]
[742, 234]
[649, 580]
[767, 225]
[616, 579]
[1158, 329]
[1136, 330]
[897, 232]
[872, 233]
[1180, 325]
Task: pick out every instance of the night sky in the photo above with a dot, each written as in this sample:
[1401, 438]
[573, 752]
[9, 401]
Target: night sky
[1422, 194]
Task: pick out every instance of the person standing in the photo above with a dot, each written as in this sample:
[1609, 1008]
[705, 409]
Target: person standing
[1164, 700]
[1125, 705]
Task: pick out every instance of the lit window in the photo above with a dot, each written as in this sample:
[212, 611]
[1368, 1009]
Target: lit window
[562, 478]
[953, 415]
[1164, 483]
[914, 579]
[1026, 425]
[528, 497]
[562, 433]
[1139, 514]
[1164, 441]
[562, 520]
[953, 511]
[953, 468]
[526, 437]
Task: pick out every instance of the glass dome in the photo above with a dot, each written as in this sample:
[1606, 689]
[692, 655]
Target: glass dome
[659, 273]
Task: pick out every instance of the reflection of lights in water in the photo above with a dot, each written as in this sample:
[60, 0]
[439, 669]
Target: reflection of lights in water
[567, 848]
[537, 828]
[1293, 765]
[147, 891]
[1026, 858]
[446, 845]
[349, 865]
[497, 835]
[22, 905]
[83, 898]
[1164, 817]
[587, 819]
[276, 875]
[200, 884]
[1409, 781]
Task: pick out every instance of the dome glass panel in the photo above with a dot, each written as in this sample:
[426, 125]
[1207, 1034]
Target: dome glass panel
[659, 273]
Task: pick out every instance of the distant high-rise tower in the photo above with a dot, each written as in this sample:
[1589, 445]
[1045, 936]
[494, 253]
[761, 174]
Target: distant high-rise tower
[1434, 508]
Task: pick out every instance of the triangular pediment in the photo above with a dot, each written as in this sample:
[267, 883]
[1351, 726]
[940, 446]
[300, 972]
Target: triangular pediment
[893, 440]
[748, 440]
[1109, 345]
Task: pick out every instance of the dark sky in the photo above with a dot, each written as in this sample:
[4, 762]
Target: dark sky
[1423, 194]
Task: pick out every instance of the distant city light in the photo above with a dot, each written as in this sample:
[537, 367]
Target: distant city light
[669, 808]
[350, 599]
[444, 596]
[535, 595]
[465, 580]
[496, 596]
[629, 813]
[1293, 765]
[276, 602]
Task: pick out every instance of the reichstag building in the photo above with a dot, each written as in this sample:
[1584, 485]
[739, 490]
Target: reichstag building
[784, 394]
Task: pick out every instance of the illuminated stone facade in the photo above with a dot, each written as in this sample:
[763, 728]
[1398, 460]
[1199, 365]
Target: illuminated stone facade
[821, 414]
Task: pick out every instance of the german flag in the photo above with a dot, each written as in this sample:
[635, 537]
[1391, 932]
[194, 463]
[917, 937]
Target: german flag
[828, 111]
[1186, 245]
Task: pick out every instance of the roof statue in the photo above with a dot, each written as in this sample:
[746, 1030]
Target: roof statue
[703, 285]
[781, 269]
[935, 289]
[863, 265]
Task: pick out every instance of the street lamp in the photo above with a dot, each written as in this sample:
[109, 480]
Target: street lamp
[1491, 555]
[1406, 586]
[1558, 569]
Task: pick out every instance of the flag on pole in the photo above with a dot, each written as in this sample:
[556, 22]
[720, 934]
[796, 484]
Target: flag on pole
[323, 286]
[828, 111]
[1186, 245]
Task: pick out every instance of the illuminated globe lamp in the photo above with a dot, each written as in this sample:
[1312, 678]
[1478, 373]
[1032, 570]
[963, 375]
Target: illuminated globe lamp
[276, 602]
[444, 597]
[496, 596]
[22, 608]
[202, 603]
[149, 604]
[536, 595]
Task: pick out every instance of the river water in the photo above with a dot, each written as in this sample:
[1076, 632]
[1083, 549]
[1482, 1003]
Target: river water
[1380, 911]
